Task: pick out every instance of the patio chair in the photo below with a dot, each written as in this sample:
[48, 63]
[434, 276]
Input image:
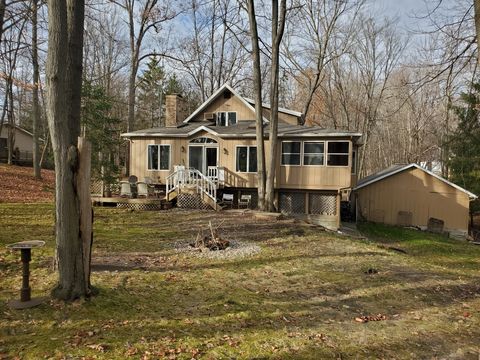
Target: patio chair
[125, 189]
[245, 201]
[143, 189]
[227, 200]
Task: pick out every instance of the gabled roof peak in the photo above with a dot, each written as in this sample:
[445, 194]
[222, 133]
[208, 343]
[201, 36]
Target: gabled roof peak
[214, 96]
[395, 169]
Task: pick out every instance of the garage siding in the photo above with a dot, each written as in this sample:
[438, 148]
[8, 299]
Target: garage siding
[413, 195]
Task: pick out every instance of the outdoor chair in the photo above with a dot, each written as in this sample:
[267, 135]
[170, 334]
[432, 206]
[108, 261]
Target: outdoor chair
[227, 199]
[125, 189]
[151, 185]
[244, 201]
[143, 189]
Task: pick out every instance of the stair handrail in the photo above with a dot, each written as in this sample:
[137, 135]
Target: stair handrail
[191, 176]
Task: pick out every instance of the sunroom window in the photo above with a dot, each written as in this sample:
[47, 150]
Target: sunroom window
[246, 159]
[225, 118]
[158, 157]
[338, 153]
[291, 152]
[313, 153]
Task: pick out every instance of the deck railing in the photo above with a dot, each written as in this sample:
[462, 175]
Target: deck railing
[183, 177]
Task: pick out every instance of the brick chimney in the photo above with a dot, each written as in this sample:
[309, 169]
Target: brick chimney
[175, 110]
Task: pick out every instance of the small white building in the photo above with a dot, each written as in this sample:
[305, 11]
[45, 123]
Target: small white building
[23, 142]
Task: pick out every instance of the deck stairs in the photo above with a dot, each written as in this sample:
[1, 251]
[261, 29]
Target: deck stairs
[191, 182]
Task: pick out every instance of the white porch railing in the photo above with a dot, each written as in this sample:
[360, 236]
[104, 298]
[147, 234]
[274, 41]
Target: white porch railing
[216, 174]
[182, 177]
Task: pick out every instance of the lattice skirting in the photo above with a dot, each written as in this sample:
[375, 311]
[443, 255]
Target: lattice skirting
[322, 204]
[96, 187]
[134, 206]
[291, 202]
[318, 203]
[191, 201]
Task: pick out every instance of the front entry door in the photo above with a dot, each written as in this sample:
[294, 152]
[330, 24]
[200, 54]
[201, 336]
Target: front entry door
[201, 157]
[210, 156]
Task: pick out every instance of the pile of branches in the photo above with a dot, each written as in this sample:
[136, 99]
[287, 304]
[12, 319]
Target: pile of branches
[208, 239]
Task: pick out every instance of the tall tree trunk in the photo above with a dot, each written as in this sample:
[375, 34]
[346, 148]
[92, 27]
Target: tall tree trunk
[278, 26]
[476, 4]
[11, 122]
[257, 80]
[2, 16]
[36, 101]
[64, 81]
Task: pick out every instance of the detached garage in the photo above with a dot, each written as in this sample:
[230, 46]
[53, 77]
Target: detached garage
[409, 195]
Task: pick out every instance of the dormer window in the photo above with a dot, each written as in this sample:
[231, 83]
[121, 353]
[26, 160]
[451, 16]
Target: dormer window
[225, 118]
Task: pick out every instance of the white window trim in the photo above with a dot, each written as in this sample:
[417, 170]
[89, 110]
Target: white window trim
[169, 156]
[226, 118]
[348, 154]
[204, 147]
[248, 159]
[300, 153]
[324, 153]
[354, 162]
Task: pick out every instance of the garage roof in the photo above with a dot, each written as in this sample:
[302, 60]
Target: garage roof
[395, 169]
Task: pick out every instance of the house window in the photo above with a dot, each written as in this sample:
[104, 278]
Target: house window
[313, 153]
[226, 118]
[291, 153]
[203, 140]
[158, 157]
[246, 159]
[338, 153]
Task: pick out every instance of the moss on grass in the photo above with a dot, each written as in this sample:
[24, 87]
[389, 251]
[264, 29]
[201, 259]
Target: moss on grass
[297, 298]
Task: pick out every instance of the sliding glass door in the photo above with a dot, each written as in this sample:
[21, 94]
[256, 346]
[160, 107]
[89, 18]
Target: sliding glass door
[201, 157]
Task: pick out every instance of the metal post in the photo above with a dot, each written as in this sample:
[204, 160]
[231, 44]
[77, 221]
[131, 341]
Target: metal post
[25, 291]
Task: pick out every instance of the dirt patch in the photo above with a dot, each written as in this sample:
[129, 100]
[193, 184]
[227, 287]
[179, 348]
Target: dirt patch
[17, 185]
[132, 261]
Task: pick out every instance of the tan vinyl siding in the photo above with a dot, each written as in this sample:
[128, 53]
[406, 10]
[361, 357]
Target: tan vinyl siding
[232, 104]
[290, 119]
[23, 141]
[288, 177]
[417, 192]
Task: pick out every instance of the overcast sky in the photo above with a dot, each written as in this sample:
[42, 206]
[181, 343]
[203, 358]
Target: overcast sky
[405, 10]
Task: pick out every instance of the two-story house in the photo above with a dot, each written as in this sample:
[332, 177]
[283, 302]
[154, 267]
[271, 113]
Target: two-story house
[213, 151]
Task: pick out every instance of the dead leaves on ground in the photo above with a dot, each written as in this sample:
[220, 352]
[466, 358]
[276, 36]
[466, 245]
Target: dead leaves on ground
[368, 318]
[17, 185]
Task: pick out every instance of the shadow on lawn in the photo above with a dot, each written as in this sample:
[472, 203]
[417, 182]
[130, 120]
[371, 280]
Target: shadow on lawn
[231, 265]
[146, 318]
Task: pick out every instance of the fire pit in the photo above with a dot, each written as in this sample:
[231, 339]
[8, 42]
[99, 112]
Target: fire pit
[25, 292]
[211, 241]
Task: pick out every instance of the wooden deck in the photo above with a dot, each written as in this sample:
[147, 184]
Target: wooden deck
[134, 204]
[122, 200]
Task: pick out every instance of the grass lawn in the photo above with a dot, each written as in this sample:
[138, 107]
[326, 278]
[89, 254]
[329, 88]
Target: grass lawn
[297, 298]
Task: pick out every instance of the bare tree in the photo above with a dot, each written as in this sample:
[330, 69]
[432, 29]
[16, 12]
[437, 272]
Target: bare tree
[36, 99]
[278, 27]
[476, 4]
[64, 81]
[143, 17]
[379, 50]
[214, 53]
[318, 33]
[257, 81]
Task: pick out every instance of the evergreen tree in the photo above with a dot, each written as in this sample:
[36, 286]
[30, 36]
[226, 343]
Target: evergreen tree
[101, 129]
[465, 144]
[151, 95]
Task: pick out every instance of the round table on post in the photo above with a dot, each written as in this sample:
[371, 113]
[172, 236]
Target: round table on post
[25, 292]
